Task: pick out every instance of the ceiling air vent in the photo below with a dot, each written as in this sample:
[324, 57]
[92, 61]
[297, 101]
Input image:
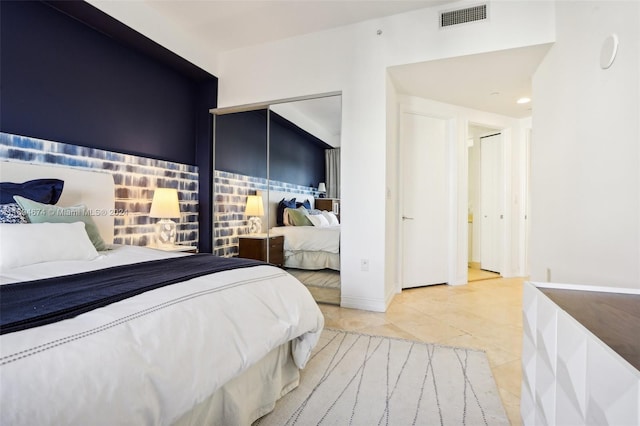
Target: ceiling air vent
[461, 16]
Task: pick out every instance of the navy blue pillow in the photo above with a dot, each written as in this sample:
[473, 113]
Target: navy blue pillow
[306, 204]
[47, 191]
[284, 204]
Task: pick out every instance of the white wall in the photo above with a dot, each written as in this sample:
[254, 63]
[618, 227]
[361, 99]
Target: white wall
[585, 159]
[392, 214]
[353, 60]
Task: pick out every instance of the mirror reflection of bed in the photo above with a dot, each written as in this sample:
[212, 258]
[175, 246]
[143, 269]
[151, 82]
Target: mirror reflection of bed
[281, 151]
[311, 230]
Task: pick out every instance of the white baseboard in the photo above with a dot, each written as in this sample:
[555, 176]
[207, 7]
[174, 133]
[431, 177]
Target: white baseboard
[365, 304]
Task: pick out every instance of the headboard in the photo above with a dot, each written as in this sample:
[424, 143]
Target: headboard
[271, 203]
[95, 189]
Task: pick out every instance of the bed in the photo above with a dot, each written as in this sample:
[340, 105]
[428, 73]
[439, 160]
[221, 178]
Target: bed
[311, 247]
[207, 348]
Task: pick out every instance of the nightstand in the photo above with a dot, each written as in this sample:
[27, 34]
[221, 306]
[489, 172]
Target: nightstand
[254, 246]
[176, 248]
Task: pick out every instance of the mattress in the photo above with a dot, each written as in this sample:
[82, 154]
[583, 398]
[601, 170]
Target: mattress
[309, 238]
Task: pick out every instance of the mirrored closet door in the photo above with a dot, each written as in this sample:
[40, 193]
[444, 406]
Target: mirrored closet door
[241, 174]
[277, 193]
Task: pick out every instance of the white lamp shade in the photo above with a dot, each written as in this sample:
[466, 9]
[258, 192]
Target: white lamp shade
[322, 187]
[165, 203]
[254, 206]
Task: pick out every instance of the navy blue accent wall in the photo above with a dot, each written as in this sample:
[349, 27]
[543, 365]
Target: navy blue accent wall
[297, 157]
[241, 143]
[63, 80]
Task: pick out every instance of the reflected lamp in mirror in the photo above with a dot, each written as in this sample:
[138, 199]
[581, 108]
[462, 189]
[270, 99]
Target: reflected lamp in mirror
[165, 207]
[322, 190]
[255, 210]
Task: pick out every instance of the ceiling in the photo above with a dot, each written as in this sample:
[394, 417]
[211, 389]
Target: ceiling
[489, 82]
[224, 25]
[322, 117]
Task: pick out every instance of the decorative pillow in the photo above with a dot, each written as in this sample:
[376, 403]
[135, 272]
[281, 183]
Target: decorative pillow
[299, 217]
[43, 242]
[284, 204]
[12, 213]
[41, 213]
[46, 191]
[331, 218]
[314, 211]
[306, 204]
[285, 218]
[318, 220]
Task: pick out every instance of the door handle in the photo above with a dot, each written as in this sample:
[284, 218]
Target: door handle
[406, 218]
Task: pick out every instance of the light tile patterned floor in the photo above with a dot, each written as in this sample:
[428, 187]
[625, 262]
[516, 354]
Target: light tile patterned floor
[485, 315]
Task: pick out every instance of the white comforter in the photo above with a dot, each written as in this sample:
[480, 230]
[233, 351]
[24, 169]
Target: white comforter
[149, 359]
[309, 238]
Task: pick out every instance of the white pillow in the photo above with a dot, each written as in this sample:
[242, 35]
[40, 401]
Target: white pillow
[331, 218]
[318, 220]
[26, 244]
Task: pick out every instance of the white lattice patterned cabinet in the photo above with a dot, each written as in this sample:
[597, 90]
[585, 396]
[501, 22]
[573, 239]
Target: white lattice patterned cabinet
[569, 376]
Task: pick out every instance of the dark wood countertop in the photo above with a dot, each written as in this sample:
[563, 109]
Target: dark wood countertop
[613, 317]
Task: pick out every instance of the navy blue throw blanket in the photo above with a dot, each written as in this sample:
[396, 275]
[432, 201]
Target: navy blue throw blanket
[30, 304]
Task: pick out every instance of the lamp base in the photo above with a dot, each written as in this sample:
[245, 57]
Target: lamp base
[165, 233]
[255, 225]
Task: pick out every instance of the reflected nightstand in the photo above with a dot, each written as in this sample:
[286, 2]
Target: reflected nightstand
[254, 246]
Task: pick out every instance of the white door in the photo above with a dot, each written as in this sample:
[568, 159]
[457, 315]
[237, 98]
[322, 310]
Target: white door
[423, 142]
[492, 211]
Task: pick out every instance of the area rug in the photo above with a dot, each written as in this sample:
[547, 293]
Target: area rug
[358, 379]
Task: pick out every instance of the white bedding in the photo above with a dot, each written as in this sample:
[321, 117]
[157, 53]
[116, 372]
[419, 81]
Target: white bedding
[309, 238]
[151, 358]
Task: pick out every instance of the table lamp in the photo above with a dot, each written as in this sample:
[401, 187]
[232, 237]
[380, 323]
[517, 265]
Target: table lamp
[322, 189]
[165, 207]
[254, 209]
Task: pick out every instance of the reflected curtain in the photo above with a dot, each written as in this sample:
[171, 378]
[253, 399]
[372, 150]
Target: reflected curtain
[332, 171]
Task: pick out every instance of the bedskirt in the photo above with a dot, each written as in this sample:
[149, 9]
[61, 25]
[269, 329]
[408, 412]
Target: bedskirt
[312, 260]
[250, 395]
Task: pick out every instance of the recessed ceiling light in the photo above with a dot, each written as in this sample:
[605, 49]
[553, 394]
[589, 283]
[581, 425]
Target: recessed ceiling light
[524, 100]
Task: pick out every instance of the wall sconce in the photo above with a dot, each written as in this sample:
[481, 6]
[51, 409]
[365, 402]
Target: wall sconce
[255, 209]
[165, 206]
[322, 189]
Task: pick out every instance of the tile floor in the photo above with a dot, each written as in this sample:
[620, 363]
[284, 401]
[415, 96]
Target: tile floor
[484, 315]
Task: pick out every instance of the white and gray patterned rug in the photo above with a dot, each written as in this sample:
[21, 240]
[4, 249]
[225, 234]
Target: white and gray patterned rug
[359, 379]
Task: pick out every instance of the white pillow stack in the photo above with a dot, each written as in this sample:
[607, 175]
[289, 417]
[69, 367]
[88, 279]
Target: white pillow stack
[30, 243]
[332, 219]
[318, 220]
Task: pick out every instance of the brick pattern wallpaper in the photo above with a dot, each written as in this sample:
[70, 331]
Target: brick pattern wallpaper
[135, 179]
[230, 198]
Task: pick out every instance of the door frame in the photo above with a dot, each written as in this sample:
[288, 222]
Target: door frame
[515, 154]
